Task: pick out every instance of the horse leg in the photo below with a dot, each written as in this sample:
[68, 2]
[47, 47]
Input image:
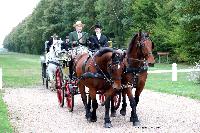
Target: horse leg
[124, 104]
[134, 117]
[84, 100]
[94, 105]
[113, 111]
[107, 122]
[87, 108]
[140, 86]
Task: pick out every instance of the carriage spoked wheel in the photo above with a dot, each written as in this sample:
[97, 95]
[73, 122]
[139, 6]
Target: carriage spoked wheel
[60, 92]
[69, 97]
[117, 100]
[102, 99]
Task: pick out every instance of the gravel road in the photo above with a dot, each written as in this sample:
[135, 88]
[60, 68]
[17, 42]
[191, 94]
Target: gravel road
[36, 110]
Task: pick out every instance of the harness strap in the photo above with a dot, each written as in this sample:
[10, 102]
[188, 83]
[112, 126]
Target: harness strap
[84, 64]
[135, 70]
[52, 62]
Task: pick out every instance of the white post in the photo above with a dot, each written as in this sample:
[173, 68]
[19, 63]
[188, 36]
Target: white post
[174, 72]
[0, 78]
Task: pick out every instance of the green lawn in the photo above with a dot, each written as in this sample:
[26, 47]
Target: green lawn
[5, 126]
[163, 83]
[19, 70]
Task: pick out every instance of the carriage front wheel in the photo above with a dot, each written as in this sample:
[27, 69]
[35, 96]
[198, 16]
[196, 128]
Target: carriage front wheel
[116, 100]
[59, 89]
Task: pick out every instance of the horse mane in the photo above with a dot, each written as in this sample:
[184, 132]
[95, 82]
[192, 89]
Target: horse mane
[131, 44]
[103, 51]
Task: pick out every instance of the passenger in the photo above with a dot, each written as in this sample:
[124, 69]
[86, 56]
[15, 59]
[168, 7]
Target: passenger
[98, 40]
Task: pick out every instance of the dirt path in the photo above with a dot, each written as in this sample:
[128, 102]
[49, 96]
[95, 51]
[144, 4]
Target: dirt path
[36, 110]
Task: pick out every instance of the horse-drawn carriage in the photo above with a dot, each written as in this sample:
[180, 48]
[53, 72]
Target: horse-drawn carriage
[105, 72]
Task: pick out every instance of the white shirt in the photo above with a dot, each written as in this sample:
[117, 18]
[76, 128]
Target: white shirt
[79, 36]
[98, 35]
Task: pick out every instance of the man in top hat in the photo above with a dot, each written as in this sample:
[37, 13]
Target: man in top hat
[78, 37]
[98, 40]
[51, 41]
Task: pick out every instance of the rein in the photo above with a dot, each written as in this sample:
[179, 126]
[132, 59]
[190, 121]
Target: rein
[98, 68]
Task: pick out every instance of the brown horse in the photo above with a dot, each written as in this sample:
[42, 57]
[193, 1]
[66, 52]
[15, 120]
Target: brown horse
[138, 57]
[101, 72]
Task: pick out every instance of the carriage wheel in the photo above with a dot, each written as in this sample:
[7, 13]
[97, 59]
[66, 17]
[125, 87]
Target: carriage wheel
[117, 100]
[43, 72]
[47, 83]
[69, 98]
[102, 98]
[60, 92]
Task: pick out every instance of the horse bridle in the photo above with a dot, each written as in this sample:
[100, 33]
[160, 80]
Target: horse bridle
[109, 79]
[141, 46]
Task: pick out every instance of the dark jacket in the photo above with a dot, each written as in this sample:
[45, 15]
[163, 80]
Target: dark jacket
[96, 44]
[65, 45]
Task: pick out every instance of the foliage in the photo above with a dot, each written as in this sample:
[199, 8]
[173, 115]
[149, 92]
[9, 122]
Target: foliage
[174, 24]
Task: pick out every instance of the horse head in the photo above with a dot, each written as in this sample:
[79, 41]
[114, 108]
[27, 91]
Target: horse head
[112, 65]
[141, 48]
[116, 68]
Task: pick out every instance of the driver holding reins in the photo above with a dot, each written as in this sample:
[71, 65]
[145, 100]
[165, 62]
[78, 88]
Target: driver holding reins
[78, 36]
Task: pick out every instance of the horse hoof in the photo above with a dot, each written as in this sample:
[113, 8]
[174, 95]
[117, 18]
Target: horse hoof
[88, 119]
[113, 114]
[123, 112]
[137, 123]
[107, 125]
[93, 120]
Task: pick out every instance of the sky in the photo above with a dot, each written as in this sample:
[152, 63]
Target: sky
[12, 12]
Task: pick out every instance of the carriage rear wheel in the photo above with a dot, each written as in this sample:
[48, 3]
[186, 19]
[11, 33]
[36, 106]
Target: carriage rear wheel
[60, 92]
[69, 98]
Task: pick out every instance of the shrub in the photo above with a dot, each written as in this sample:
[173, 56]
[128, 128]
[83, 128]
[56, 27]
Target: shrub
[195, 74]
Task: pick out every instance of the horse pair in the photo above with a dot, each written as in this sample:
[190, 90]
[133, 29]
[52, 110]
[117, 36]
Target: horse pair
[108, 70]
